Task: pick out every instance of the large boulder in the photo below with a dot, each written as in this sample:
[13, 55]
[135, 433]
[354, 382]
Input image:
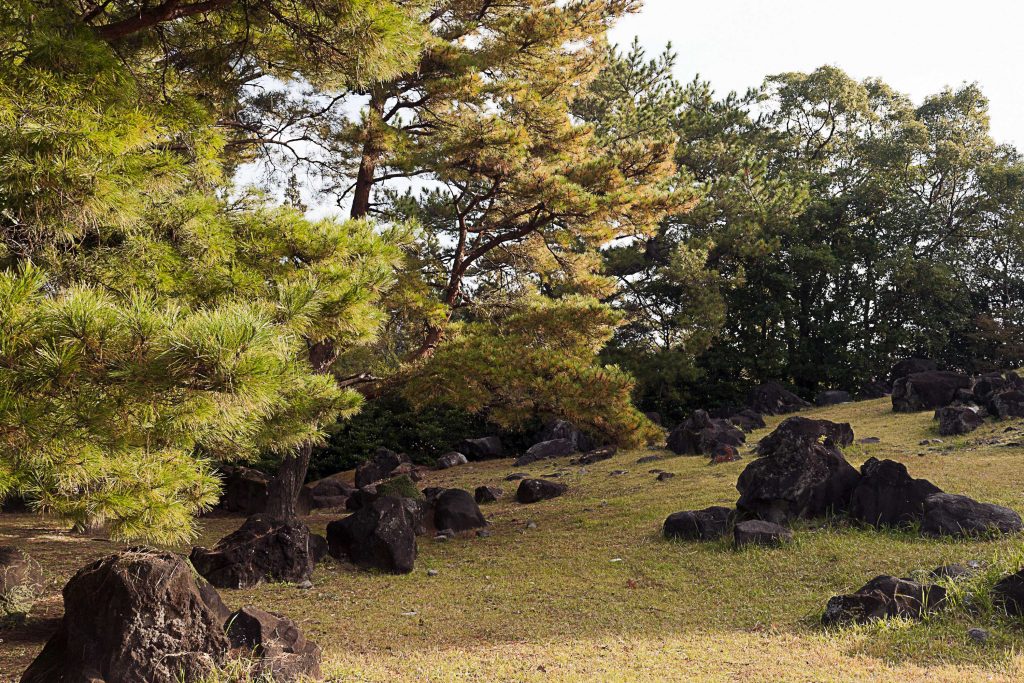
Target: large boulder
[708, 524]
[536, 490]
[946, 514]
[884, 597]
[872, 390]
[138, 615]
[832, 398]
[245, 490]
[928, 391]
[329, 492]
[989, 385]
[1007, 404]
[21, 582]
[796, 475]
[380, 535]
[887, 496]
[956, 420]
[456, 510]
[545, 450]
[701, 434]
[758, 532]
[283, 653]
[911, 366]
[450, 460]
[774, 399]
[748, 420]
[562, 429]
[484, 448]
[262, 549]
[806, 430]
[1009, 594]
[381, 466]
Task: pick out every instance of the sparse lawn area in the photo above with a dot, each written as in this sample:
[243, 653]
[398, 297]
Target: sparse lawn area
[594, 593]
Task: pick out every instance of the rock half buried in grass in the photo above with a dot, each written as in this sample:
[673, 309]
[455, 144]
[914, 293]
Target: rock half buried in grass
[284, 653]
[954, 420]
[708, 524]
[887, 496]
[1009, 594]
[946, 514]
[596, 455]
[378, 536]
[487, 494]
[536, 490]
[927, 390]
[262, 549]
[545, 450]
[884, 597]
[758, 532]
[449, 460]
[138, 615]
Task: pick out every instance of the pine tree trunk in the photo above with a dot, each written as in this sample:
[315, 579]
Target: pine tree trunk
[283, 491]
[369, 160]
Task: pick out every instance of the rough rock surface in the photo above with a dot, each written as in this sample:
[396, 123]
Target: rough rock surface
[380, 535]
[774, 399]
[245, 490]
[536, 490]
[487, 494]
[562, 429]
[883, 597]
[452, 459]
[928, 391]
[955, 420]
[758, 532]
[946, 514]
[484, 448]
[545, 450]
[138, 615]
[456, 510]
[262, 549]
[329, 492]
[700, 434]
[708, 524]
[796, 429]
[283, 653]
[832, 398]
[887, 496]
[1009, 593]
[911, 366]
[596, 455]
[381, 466]
[748, 420]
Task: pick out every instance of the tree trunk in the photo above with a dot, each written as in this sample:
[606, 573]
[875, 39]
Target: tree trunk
[370, 158]
[283, 491]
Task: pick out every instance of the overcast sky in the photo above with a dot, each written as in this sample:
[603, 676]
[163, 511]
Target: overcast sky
[917, 46]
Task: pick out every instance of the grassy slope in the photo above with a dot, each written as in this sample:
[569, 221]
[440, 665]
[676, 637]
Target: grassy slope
[594, 593]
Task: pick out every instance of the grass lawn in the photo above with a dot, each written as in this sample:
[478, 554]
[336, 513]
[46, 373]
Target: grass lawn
[594, 593]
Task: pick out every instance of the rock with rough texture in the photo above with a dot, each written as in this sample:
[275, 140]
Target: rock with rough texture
[954, 420]
[774, 399]
[911, 366]
[758, 532]
[262, 549]
[700, 434]
[21, 582]
[946, 514]
[928, 391]
[1007, 404]
[362, 497]
[449, 460]
[487, 494]
[283, 653]
[795, 476]
[456, 510]
[832, 398]
[596, 455]
[137, 615]
[545, 450]
[872, 390]
[245, 490]
[562, 429]
[378, 536]
[698, 525]
[748, 420]
[795, 429]
[329, 492]
[884, 597]
[887, 496]
[536, 490]
[380, 467]
[484, 448]
[1009, 594]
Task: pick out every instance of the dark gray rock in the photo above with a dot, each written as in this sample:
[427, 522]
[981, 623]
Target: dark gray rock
[456, 510]
[380, 536]
[832, 398]
[1008, 593]
[517, 476]
[329, 492]
[927, 391]
[545, 450]
[804, 429]
[774, 399]
[1007, 404]
[536, 490]
[698, 525]
[380, 467]
[954, 420]
[596, 455]
[911, 366]
[887, 496]
[562, 429]
[665, 476]
[758, 532]
[284, 654]
[884, 597]
[244, 490]
[700, 434]
[449, 460]
[872, 390]
[487, 494]
[262, 549]
[748, 420]
[946, 514]
[484, 448]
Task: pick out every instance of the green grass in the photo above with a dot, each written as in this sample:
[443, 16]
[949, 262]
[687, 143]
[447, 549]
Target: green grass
[595, 593]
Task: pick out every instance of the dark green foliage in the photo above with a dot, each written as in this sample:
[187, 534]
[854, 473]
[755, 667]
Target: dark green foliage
[400, 487]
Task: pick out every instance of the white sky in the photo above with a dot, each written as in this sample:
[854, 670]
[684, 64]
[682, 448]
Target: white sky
[916, 46]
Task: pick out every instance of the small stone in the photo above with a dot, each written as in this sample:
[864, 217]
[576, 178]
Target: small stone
[655, 471]
[483, 533]
[531, 525]
[305, 585]
[648, 458]
[617, 473]
[665, 476]
[432, 572]
[868, 440]
[978, 635]
[516, 476]
[441, 538]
